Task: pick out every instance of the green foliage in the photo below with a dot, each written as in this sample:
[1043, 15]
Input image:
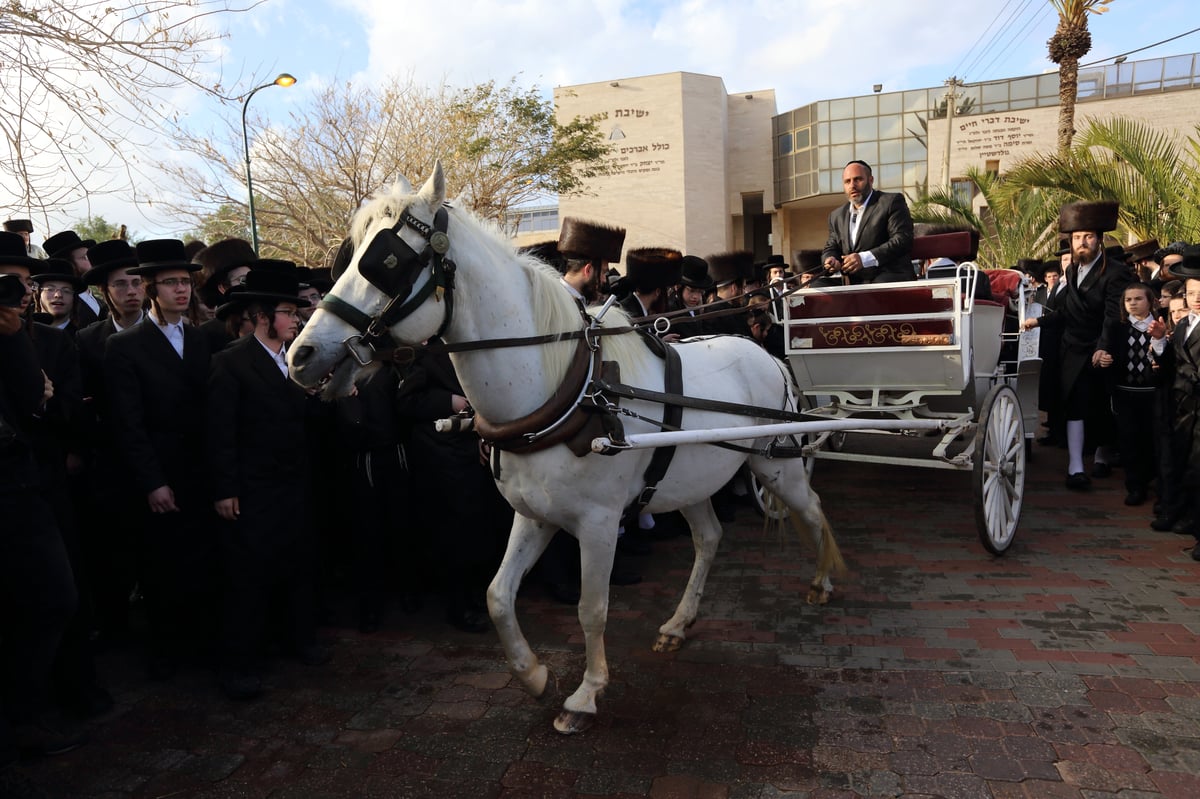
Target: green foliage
[1011, 226]
[227, 222]
[1154, 176]
[97, 228]
[500, 144]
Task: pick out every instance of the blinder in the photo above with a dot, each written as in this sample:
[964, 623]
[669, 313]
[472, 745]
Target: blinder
[393, 267]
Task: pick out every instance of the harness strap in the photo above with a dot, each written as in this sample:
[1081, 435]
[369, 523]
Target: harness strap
[559, 418]
[700, 403]
[660, 461]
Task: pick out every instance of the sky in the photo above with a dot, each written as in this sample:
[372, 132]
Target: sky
[806, 50]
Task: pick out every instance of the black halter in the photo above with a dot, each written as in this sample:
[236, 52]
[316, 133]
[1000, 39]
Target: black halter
[393, 267]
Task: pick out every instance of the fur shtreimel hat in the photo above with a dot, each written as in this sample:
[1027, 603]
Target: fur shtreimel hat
[1142, 251]
[19, 226]
[1030, 266]
[581, 239]
[1100, 217]
[651, 268]
[728, 267]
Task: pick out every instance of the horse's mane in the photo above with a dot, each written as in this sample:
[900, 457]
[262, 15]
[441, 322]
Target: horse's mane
[553, 309]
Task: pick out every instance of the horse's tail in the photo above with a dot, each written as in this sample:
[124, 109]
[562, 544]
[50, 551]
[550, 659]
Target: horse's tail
[829, 556]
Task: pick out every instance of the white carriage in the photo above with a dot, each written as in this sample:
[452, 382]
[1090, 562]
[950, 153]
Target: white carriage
[914, 357]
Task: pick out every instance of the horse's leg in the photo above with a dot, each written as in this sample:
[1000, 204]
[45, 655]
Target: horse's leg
[596, 551]
[526, 542]
[706, 536]
[787, 478]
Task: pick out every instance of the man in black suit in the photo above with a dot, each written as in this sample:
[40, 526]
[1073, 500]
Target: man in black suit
[258, 456]
[1182, 357]
[1089, 303]
[870, 237]
[156, 373]
[114, 511]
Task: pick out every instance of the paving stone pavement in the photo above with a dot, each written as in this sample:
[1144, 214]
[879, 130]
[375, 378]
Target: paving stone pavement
[1068, 668]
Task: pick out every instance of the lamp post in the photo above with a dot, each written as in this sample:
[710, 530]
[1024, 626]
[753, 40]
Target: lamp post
[283, 79]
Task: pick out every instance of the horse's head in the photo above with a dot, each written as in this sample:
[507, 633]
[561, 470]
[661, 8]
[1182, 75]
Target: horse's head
[395, 289]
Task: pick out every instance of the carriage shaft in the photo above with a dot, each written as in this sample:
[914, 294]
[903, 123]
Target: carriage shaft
[751, 432]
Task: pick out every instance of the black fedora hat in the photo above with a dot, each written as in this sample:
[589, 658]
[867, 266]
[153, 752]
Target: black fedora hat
[1189, 267]
[61, 245]
[160, 255]
[269, 281]
[107, 257]
[13, 252]
[695, 273]
[318, 277]
[57, 269]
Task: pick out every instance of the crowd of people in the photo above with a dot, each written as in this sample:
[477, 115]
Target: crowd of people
[156, 455]
[166, 486]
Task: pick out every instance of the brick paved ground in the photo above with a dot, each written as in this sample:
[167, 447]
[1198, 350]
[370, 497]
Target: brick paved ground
[1068, 668]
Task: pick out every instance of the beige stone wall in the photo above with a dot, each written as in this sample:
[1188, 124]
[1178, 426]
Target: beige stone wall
[1012, 135]
[661, 199]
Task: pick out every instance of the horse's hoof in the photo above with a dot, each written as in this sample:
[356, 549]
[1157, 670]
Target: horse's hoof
[817, 596]
[570, 722]
[668, 643]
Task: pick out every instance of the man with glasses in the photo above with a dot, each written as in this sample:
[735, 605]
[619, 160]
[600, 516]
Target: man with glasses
[156, 373]
[67, 246]
[57, 288]
[258, 456]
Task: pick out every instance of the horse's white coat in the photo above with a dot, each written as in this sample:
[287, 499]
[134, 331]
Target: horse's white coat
[499, 294]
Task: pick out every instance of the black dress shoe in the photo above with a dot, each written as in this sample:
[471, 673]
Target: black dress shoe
[1164, 524]
[1196, 551]
[47, 737]
[314, 654]
[160, 667]
[1101, 470]
[1136, 496]
[239, 686]
[89, 702]
[469, 620]
[1185, 526]
[1078, 482]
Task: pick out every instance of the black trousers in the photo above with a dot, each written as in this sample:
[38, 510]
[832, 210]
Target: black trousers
[177, 574]
[383, 527]
[37, 600]
[1135, 433]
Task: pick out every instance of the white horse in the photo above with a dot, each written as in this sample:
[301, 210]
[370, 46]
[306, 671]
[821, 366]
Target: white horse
[483, 290]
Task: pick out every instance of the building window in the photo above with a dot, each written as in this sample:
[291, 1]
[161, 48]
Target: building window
[992, 166]
[963, 190]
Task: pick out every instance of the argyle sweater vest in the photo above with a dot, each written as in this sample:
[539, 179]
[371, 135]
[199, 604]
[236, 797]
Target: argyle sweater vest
[1138, 373]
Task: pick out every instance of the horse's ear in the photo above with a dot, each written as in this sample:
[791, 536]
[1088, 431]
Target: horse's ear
[434, 190]
[404, 187]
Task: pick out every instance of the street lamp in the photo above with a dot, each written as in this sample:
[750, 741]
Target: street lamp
[283, 79]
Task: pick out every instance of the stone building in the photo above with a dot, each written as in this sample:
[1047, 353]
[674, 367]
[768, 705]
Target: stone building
[705, 170]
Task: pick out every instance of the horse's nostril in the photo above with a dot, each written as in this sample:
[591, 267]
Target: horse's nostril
[301, 354]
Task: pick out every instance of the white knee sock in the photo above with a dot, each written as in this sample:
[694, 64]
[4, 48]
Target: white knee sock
[1074, 446]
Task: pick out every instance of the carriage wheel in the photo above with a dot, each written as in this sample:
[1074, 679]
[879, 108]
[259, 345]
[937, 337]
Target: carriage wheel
[766, 503]
[999, 469]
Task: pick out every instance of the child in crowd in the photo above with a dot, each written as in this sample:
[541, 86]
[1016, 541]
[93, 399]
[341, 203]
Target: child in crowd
[1133, 345]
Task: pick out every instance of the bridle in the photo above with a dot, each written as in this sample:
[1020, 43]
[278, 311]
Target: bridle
[392, 266]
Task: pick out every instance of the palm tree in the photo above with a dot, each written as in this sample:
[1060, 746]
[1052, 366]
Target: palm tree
[1154, 176]
[1011, 226]
[1070, 42]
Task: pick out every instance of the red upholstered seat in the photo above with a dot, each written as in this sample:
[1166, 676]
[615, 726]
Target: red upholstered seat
[1006, 285]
